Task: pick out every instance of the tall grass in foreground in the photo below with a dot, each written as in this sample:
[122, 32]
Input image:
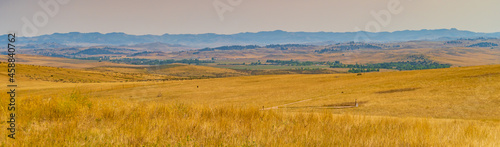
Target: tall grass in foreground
[76, 120]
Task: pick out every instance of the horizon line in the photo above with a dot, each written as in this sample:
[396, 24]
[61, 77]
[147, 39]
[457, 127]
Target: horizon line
[278, 30]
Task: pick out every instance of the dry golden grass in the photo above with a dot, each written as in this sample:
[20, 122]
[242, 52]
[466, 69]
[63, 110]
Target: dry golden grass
[61, 62]
[176, 71]
[64, 75]
[88, 71]
[75, 119]
[442, 107]
[182, 70]
[464, 93]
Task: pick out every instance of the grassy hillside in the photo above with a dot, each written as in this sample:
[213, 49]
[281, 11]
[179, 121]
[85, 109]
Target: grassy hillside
[441, 107]
[465, 93]
[75, 120]
[32, 73]
[182, 70]
[61, 62]
[55, 69]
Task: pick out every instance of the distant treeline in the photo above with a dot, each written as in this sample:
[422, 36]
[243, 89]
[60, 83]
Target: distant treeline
[483, 44]
[360, 70]
[294, 62]
[478, 38]
[146, 52]
[288, 71]
[286, 45]
[408, 65]
[351, 46]
[357, 68]
[102, 58]
[453, 42]
[245, 47]
[136, 61]
[100, 51]
[417, 57]
[233, 47]
[96, 51]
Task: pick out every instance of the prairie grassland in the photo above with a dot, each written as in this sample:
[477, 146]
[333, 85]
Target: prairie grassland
[442, 107]
[61, 62]
[34, 73]
[75, 119]
[182, 70]
[463, 93]
[269, 67]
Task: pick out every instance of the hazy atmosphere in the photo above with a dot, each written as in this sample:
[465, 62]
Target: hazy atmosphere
[234, 16]
[250, 73]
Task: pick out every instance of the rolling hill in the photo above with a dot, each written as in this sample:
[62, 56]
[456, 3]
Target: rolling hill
[258, 38]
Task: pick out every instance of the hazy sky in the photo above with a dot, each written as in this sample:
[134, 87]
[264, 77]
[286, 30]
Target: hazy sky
[201, 16]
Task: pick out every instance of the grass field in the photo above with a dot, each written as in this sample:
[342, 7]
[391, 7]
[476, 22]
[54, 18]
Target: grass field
[265, 67]
[458, 56]
[62, 62]
[182, 70]
[441, 107]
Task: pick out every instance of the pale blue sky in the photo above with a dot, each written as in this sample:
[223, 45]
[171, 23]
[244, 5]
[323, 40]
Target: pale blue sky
[200, 16]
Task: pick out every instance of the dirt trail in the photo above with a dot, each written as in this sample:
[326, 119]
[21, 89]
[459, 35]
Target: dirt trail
[322, 97]
[276, 107]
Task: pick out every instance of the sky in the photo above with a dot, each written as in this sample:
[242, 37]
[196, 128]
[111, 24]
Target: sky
[157, 17]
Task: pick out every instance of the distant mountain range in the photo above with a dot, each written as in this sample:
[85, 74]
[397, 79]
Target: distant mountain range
[259, 38]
